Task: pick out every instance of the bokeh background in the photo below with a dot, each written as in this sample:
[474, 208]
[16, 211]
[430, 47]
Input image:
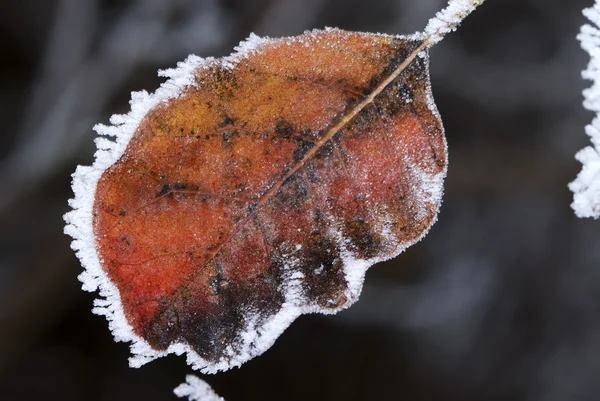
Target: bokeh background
[501, 301]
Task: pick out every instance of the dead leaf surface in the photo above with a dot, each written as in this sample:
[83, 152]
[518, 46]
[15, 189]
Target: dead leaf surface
[267, 188]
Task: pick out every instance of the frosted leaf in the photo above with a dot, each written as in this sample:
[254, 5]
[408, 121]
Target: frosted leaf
[196, 389]
[200, 250]
[308, 271]
[586, 187]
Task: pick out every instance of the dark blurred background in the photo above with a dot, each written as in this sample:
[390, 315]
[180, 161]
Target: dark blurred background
[501, 301]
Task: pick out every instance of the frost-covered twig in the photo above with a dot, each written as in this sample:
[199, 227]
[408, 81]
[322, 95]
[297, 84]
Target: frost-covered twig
[449, 19]
[196, 389]
[586, 188]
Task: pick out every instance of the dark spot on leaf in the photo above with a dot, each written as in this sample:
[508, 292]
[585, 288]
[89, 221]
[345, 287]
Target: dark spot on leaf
[284, 128]
[302, 148]
[326, 151]
[229, 135]
[125, 240]
[306, 133]
[226, 121]
[164, 190]
[322, 268]
[311, 173]
[363, 240]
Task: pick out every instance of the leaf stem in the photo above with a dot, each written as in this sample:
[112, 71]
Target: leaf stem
[448, 19]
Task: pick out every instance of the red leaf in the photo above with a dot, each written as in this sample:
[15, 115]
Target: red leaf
[252, 189]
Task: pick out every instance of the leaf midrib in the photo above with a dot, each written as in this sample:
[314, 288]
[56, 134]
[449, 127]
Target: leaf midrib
[331, 131]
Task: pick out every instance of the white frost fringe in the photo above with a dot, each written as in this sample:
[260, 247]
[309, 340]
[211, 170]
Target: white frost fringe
[196, 389]
[586, 187]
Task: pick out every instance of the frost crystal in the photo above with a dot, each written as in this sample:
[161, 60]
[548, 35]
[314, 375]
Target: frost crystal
[586, 188]
[449, 19]
[196, 389]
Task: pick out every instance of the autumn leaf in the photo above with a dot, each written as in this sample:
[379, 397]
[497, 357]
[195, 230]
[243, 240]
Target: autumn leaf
[252, 189]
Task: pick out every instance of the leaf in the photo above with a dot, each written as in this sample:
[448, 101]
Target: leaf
[266, 187]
